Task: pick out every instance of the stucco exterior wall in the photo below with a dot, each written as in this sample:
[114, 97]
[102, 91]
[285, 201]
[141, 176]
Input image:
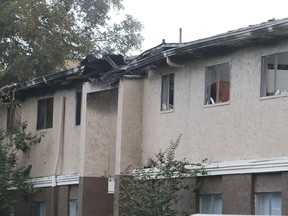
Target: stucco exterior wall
[100, 135]
[246, 127]
[129, 125]
[43, 156]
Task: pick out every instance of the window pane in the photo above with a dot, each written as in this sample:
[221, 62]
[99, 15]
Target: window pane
[49, 113]
[268, 203]
[275, 204]
[217, 87]
[73, 208]
[167, 92]
[217, 204]
[205, 204]
[45, 114]
[274, 74]
[262, 204]
[41, 114]
[78, 107]
[39, 209]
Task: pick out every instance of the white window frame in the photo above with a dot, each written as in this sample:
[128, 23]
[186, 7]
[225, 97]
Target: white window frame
[269, 196]
[167, 92]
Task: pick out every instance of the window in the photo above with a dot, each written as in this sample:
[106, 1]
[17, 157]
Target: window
[167, 92]
[45, 114]
[217, 84]
[39, 209]
[14, 116]
[268, 204]
[274, 74]
[78, 107]
[211, 204]
[73, 208]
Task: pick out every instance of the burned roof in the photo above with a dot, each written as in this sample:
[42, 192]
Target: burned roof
[111, 68]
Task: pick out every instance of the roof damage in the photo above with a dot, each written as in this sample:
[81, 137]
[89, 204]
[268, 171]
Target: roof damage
[111, 68]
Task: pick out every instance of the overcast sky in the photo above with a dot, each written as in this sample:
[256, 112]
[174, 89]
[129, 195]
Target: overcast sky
[199, 18]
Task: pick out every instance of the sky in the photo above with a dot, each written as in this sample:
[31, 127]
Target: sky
[199, 18]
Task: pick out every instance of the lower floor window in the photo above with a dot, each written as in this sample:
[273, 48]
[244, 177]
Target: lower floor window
[268, 203]
[73, 207]
[211, 204]
[39, 209]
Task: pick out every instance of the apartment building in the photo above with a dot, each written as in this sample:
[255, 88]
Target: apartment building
[226, 94]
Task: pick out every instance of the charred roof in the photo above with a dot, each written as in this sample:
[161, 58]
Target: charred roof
[111, 68]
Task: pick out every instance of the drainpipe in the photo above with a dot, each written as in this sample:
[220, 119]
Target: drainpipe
[59, 153]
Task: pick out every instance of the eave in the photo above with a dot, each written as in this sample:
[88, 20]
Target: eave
[271, 30]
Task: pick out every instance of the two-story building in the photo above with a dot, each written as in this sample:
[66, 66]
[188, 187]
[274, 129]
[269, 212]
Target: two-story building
[226, 94]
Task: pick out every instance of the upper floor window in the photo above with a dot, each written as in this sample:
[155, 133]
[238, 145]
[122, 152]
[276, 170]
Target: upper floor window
[45, 113]
[217, 84]
[211, 204]
[78, 107]
[167, 92]
[274, 74]
[268, 203]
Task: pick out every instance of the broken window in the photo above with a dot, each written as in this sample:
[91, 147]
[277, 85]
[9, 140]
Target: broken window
[45, 114]
[217, 81]
[211, 204]
[167, 92]
[14, 116]
[268, 203]
[78, 107]
[274, 74]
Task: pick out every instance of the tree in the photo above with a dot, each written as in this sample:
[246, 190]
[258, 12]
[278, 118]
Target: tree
[37, 36]
[155, 191]
[13, 176]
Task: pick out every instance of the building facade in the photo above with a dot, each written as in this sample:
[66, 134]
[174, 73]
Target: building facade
[226, 95]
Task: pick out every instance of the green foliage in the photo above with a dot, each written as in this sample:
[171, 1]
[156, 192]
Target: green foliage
[154, 191]
[37, 36]
[13, 176]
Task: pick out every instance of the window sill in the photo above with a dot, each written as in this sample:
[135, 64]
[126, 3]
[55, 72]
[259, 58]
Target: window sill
[167, 111]
[46, 129]
[273, 97]
[217, 104]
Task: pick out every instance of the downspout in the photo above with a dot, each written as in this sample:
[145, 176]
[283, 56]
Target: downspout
[59, 154]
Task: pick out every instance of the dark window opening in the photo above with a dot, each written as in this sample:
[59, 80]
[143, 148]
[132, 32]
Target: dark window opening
[45, 114]
[78, 107]
[167, 92]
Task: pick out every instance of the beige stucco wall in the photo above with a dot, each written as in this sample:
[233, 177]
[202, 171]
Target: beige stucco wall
[245, 128]
[129, 125]
[43, 156]
[99, 131]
